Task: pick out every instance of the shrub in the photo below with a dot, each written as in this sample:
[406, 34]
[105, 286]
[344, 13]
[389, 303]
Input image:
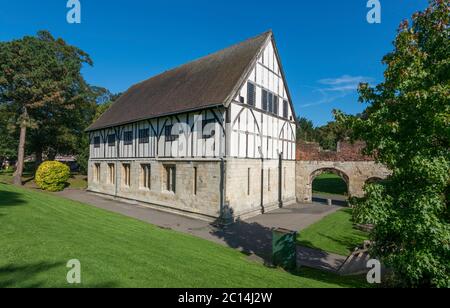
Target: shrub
[52, 176]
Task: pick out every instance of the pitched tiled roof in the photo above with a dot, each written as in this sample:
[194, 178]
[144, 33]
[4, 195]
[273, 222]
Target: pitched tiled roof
[207, 82]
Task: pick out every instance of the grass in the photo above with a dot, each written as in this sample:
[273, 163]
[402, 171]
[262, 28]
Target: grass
[41, 232]
[335, 233]
[76, 181]
[329, 184]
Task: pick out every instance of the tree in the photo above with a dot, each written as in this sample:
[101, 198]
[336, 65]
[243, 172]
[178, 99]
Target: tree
[104, 99]
[329, 135]
[40, 78]
[407, 127]
[8, 145]
[305, 130]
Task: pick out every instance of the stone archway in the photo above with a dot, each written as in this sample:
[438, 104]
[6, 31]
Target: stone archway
[348, 162]
[355, 174]
[341, 174]
[329, 190]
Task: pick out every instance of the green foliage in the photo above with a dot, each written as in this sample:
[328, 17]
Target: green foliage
[42, 89]
[327, 136]
[101, 108]
[52, 176]
[305, 130]
[83, 154]
[8, 145]
[105, 100]
[407, 126]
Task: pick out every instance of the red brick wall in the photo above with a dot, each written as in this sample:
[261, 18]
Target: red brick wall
[307, 151]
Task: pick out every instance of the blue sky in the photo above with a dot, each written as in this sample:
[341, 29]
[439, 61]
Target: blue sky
[327, 47]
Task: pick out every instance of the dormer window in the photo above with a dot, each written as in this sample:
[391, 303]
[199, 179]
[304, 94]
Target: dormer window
[170, 134]
[209, 128]
[112, 140]
[128, 138]
[144, 135]
[96, 142]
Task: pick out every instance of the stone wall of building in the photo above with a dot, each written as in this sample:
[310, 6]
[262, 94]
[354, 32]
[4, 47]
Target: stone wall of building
[244, 185]
[204, 202]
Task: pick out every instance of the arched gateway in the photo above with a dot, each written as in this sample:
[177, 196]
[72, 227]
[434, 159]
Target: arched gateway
[347, 162]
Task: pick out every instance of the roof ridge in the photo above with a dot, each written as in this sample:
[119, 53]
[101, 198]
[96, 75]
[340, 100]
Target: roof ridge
[268, 32]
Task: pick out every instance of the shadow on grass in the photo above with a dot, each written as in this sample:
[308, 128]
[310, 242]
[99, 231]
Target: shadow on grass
[253, 238]
[349, 242]
[24, 276]
[28, 180]
[14, 274]
[9, 198]
[250, 238]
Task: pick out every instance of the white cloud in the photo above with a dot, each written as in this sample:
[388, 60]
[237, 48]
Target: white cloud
[344, 83]
[332, 89]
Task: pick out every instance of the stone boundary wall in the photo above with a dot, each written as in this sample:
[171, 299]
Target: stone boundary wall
[346, 151]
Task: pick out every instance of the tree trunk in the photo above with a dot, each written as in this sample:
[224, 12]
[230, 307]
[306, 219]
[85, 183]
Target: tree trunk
[51, 155]
[17, 180]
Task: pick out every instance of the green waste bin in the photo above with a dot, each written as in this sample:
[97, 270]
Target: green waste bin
[284, 248]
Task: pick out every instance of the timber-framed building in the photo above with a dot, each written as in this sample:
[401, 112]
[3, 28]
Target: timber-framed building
[211, 138]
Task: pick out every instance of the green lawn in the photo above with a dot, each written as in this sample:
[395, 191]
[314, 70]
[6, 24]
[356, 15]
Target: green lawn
[42, 232]
[329, 183]
[335, 233]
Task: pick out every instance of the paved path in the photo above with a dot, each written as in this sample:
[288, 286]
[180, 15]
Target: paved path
[335, 199]
[253, 236]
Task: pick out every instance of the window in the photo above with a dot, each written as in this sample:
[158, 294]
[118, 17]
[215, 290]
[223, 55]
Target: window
[144, 135]
[126, 175]
[270, 102]
[96, 142]
[169, 134]
[112, 173]
[264, 100]
[285, 109]
[170, 178]
[146, 174]
[241, 99]
[195, 180]
[251, 94]
[112, 140]
[128, 138]
[97, 173]
[275, 105]
[209, 128]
